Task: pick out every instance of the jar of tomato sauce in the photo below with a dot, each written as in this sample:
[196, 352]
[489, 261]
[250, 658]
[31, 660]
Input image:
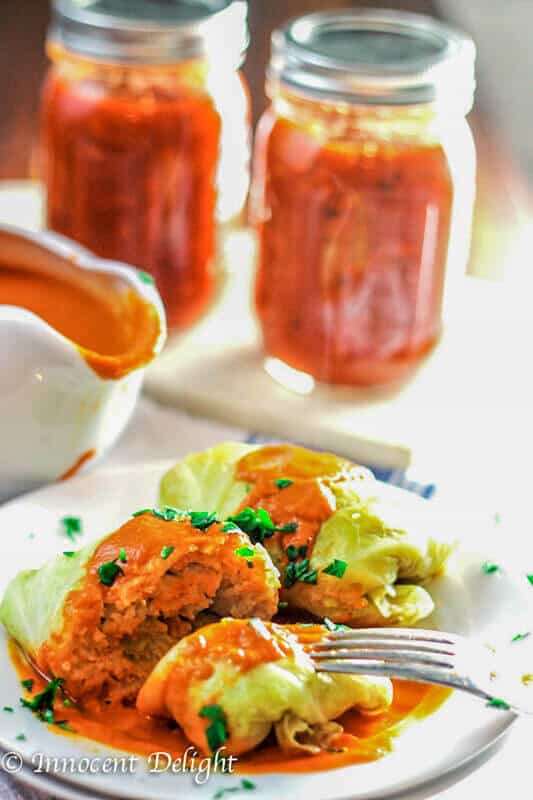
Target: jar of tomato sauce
[363, 191]
[145, 136]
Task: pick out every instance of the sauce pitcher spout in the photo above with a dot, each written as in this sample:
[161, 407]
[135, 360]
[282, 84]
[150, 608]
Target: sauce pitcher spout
[76, 333]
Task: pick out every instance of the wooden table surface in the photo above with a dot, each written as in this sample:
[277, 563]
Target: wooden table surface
[23, 26]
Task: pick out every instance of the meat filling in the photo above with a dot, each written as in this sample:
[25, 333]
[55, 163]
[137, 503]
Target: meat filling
[114, 636]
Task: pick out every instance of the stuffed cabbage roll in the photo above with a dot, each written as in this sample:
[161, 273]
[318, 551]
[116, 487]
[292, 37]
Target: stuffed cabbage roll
[102, 618]
[231, 683]
[343, 552]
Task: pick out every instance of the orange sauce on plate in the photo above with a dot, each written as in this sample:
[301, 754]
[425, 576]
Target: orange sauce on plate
[364, 739]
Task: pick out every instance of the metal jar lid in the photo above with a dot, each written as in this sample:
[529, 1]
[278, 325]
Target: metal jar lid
[368, 56]
[151, 31]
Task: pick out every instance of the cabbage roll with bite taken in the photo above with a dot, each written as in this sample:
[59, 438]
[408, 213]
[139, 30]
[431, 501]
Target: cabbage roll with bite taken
[102, 618]
[344, 551]
[232, 683]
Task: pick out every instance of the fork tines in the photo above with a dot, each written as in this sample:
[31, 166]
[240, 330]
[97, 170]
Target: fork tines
[387, 651]
[411, 634]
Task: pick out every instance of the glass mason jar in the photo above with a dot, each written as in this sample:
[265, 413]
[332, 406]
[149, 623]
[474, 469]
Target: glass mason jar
[145, 136]
[363, 191]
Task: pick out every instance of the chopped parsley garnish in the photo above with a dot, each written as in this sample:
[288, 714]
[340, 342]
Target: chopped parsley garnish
[199, 519]
[296, 552]
[283, 604]
[520, 636]
[289, 578]
[167, 551]
[142, 511]
[258, 524]
[69, 553]
[335, 626]
[145, 277]
[42, 704]
[72, 527]
[28, 684]
[21, 737]
[283, 483]
[290, 527]
[47, 716]
[203, 519]
[109, 572]
[496, 702]
[122, 556]
[298, 568]
[63, 724]
[67, 703]
[9, 709]
[299, 571]
[245, 552]
[489, 568]
[245, 785]
[337, 568]
[167, 514]
[217, 731]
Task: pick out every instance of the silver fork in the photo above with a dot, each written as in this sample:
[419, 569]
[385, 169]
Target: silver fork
[414, 654]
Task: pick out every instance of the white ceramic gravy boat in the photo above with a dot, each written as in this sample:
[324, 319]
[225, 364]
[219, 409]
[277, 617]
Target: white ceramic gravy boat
[56, 412]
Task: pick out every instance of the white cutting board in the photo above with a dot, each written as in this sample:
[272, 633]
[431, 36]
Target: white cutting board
[471, 397]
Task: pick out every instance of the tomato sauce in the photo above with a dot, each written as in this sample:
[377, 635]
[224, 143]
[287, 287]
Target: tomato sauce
[114, 329]
[130, 160]
[307, 501]
[365, 738]
[353, 247]
[239, 644]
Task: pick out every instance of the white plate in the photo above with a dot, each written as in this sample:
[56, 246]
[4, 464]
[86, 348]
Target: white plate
[470, 602]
